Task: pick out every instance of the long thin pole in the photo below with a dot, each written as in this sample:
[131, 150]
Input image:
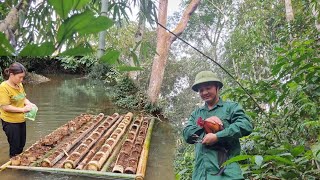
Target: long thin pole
[141, 171]
[102, 34]
[76, 172]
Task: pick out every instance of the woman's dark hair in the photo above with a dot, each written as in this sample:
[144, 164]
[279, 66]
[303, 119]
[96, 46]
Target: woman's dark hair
[15, 68]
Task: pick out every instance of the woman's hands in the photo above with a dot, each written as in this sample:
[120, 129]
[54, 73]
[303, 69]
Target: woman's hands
[27, 108]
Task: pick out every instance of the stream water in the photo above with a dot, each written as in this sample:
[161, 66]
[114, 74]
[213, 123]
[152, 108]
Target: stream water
[65, 97]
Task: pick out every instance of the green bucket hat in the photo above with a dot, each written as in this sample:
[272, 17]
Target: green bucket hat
[205, 76]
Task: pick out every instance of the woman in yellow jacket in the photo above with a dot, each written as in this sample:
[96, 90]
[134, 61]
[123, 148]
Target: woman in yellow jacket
[13, 106]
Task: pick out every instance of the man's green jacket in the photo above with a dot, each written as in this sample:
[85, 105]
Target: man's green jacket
[236, 125]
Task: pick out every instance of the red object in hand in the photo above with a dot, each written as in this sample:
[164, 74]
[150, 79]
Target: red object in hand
[209, 127]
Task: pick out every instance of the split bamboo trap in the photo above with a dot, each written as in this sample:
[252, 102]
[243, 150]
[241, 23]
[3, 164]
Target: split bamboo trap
[114, 147]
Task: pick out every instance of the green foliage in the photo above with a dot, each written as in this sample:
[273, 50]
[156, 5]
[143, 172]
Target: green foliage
[278, 64]
[82, 64]
[74, 19]
[128, 95]
[155, 109]
[184, 162]
[285, 162]
[104, 72]
[291, 100]
[129, 68]
[34, 50]
[79, 23]
[50, 26]
[64, 7]
[111, 56]
[124, 52]
[119, 9]
[77, 51]
[5, 47]
[126, 87]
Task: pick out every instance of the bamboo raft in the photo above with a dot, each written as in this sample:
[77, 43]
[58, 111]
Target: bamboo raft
[114, 147]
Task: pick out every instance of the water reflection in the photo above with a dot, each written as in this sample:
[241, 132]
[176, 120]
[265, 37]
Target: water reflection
[161, 155]
[65, 97]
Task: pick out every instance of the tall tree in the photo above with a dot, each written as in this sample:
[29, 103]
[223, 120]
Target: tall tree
[10, 24]
[102, 34]
[164, 41]
[289, 10]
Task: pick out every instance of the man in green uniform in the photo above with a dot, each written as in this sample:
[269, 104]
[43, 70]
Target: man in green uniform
[212, 149]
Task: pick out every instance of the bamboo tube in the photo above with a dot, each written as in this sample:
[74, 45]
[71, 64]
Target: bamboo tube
[118, 169]
[5, 165]
[77, 172]
[144, 154]
[136, 149]
[117, 149]
[39, 160]
[60, 152]
[103, 154]
[132, 166]
[93, 151]
[38, 150]
[70, 127]
[97, 162]
[122, 159]
[85, 146]
[113, 156]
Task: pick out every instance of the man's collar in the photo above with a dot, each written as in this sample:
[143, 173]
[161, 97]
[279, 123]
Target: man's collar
[219, 104]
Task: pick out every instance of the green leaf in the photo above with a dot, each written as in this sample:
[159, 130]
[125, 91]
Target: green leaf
[84, 23]
[237, 159]
[293, 86]
[78, 51]
[135, 58]
[279, 49]
[111, 56]
[63, 7]
[129, 68]
[5, 47]
[96, 25]
[278, 159]
[297, 150]
[79, 4]
[258, 160]
[35, 50]
[316, 150]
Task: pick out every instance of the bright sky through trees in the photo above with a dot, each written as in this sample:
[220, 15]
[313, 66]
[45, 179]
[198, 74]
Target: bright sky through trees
[173, 6]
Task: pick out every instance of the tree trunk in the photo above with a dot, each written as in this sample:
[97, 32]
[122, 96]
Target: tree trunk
[289, 10]
[289, 15]
[9, 25]
[316, 15]
[102, 34]
[164, 41]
